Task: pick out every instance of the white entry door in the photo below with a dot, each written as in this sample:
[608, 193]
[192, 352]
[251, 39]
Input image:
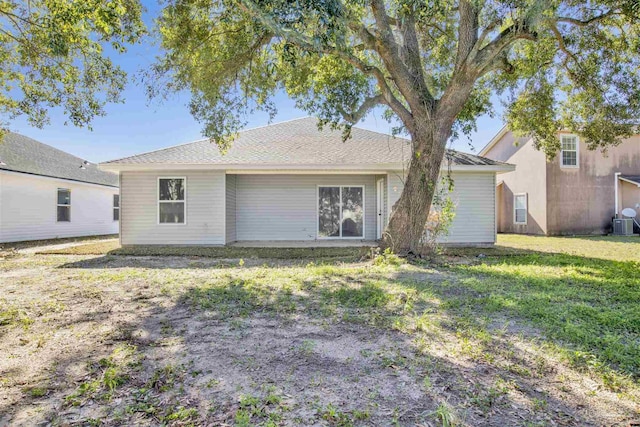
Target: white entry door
[380, 208]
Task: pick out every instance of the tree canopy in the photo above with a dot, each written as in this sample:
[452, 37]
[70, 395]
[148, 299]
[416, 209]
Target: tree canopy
[558, 64]
[55, 53]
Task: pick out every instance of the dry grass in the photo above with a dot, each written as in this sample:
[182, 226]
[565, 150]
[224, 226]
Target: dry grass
[530, 339]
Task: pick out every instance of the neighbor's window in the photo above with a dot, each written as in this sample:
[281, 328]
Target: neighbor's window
[64, 205]
[520, 208]
[171, 200]
[116, 207]
[569, 151]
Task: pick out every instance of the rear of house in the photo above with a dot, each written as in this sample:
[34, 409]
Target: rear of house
[46, 193]
[288, 182]
[580, 191]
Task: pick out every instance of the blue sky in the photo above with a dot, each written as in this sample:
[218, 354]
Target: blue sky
[140, 125]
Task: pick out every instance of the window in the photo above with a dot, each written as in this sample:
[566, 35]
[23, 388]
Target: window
[520, 208]
[116, 207]
[569, 151]
[341, 212]
[64, 205]
[171, 200]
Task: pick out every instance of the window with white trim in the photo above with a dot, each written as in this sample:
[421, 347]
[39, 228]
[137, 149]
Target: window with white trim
[63, 205]
[520, 208]
[116, 207]
[569, 151]
[171, 200]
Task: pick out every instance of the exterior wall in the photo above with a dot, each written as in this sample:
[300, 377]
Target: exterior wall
[629, 197]
[230, 211]
[28, 208]
[529, 178]
[205, 209]
[285, 207]
[581, 200]
[474, 197]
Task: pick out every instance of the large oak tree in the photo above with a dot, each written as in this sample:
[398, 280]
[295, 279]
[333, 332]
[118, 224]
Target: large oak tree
[433, 64]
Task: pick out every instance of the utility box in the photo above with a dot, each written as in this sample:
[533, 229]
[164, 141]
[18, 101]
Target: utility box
[623, 227]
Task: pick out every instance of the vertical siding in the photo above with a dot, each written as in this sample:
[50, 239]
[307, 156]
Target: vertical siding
[285, 207]
[28, 208]
[474, 197]
[205, 219]
[230, 209]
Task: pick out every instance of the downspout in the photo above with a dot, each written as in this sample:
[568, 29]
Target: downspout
[617, 179]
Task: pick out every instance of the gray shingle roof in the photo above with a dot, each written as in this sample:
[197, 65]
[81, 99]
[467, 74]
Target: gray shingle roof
[297, 142]
[22, 154]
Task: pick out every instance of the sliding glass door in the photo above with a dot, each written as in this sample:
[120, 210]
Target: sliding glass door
[341, 212]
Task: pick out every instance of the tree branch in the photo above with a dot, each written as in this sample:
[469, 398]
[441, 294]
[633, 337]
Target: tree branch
[580, 23]
[368, 104]
[303, 42]
[467, 32]
[414, 91]
[484, 59]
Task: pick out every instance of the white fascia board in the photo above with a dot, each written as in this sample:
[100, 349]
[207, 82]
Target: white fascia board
[375, 168]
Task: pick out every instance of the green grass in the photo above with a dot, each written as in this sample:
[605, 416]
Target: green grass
[588, 298]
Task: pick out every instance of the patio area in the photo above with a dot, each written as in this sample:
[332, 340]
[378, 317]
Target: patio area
[330, 243]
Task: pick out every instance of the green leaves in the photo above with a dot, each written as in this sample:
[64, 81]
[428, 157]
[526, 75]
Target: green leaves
[52, 54]
[564, 64]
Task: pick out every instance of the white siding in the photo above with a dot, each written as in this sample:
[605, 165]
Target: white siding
[474, 196]
[285, 207]
[205, 219]
[28, 208]
[230, 230]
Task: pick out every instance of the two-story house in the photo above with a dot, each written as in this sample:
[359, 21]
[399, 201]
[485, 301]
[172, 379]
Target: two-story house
[580, 191]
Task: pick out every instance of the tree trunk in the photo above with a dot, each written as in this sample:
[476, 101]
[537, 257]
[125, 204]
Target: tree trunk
[409, 215]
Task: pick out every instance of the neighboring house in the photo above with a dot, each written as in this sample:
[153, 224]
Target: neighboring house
[578, 192]
[288, 182]
[46, 193]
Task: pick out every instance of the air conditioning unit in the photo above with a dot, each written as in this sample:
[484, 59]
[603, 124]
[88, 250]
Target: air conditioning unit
[623, 227]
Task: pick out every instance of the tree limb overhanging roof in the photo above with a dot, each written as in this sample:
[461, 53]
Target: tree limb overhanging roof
[296, 143]
[23, 154]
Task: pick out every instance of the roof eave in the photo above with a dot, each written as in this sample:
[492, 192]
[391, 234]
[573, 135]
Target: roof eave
[502, 132]
[291, 168]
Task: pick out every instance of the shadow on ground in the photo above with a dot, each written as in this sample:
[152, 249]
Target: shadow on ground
[332, 345]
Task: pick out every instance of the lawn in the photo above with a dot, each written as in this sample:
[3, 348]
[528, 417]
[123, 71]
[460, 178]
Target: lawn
[537, 331]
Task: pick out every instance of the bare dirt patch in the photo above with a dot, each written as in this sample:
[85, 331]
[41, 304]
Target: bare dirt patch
[179, 340]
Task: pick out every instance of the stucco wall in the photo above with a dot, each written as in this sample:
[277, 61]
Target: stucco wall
[28, 208]
[629, 197]
[581, 200]
[529, 178]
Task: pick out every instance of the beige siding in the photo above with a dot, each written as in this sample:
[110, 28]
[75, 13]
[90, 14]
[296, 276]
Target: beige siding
[28, 208]
[285, 207]
[230, 230]
[474, 197]
[205, 216]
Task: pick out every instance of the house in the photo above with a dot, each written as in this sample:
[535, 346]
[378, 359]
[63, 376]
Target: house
[577, 192]
[46, 193]
[288, 182]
